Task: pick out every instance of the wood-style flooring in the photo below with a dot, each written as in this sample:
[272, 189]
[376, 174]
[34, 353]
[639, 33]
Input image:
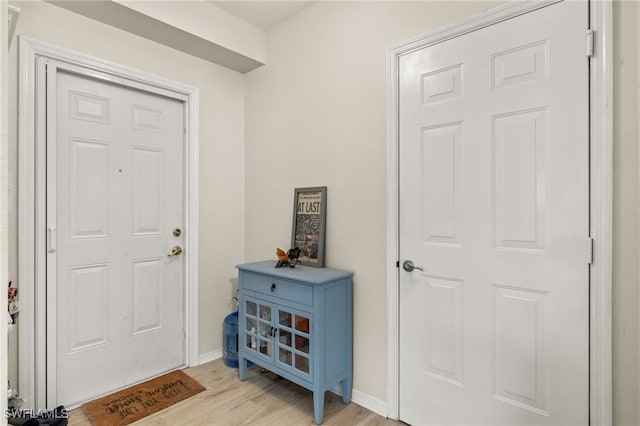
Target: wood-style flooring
[262, 399]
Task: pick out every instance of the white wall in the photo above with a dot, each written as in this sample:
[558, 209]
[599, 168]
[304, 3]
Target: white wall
[221, 143]
[315, 116]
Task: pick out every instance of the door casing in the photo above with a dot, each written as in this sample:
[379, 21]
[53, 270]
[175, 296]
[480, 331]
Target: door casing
[32, 199]
[601, 190]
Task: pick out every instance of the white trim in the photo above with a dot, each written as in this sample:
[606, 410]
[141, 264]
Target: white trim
[192, 214]
[393, 237]
[370, 403]
[601, 411]
[474, 23]
[13, 13]
[49, 99]
[364, 400]
[32, 191]
[600, 371]
[210, 356]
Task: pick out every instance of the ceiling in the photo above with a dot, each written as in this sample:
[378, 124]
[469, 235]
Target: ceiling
[262, 14]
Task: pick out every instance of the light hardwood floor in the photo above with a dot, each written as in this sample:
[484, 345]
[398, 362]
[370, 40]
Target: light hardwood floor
[262, 399]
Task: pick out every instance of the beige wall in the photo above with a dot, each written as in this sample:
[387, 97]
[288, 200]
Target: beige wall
[315, 115]
[4, 246]
[626, 393]
[221, 143]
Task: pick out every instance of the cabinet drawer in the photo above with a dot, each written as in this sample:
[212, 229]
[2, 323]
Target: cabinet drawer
[277, 287]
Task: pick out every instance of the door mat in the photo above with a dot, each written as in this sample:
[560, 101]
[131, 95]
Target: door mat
[133, 403]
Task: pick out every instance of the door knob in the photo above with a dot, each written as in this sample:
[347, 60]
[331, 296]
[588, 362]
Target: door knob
[176, 251]
[408, 266]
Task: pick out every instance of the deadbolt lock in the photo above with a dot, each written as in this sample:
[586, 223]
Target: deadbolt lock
[177, 232]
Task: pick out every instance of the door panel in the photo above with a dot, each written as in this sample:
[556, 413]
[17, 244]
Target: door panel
[294, 342]
[147, 191]
[147, 296]
[88, 188]
[441, 183]
[521, 365]
[442, 349]
[87, 324]
[493, 160]
[259, 327]
[119, 192]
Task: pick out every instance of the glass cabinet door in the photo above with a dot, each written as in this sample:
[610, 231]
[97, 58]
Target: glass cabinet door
[259, 329]
[294, 341]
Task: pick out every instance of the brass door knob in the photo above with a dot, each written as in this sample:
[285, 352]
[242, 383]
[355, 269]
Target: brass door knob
[176, 251]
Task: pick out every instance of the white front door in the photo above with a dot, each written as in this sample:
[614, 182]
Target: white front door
[116, 300]
[494, 209]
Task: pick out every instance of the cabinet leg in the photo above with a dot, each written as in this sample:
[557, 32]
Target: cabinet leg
[242, 367]
[346, 390]
[318, 406]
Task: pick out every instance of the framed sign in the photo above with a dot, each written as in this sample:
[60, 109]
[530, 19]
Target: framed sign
[309, 219]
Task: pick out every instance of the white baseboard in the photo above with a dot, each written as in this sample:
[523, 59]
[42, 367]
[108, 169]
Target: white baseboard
[364, 400]
[210, 356]
[370, 403]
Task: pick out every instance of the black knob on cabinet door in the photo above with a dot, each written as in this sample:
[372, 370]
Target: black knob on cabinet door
[273, 287]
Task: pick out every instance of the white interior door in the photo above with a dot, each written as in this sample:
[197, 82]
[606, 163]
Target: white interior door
[494, 208]
[116, 300]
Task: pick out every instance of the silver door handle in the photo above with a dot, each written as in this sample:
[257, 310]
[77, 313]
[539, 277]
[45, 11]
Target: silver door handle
[408, 266]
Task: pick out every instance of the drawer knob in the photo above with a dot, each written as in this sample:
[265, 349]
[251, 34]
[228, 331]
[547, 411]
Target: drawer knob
[273, 287]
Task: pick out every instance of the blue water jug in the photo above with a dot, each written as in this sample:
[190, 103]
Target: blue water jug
[230, 340]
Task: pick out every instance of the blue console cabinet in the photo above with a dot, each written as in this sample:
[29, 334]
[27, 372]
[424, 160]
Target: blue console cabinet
[297, 323]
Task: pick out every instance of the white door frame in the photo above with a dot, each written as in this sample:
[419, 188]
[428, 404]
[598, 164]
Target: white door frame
[601, 190]
[32, 201]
